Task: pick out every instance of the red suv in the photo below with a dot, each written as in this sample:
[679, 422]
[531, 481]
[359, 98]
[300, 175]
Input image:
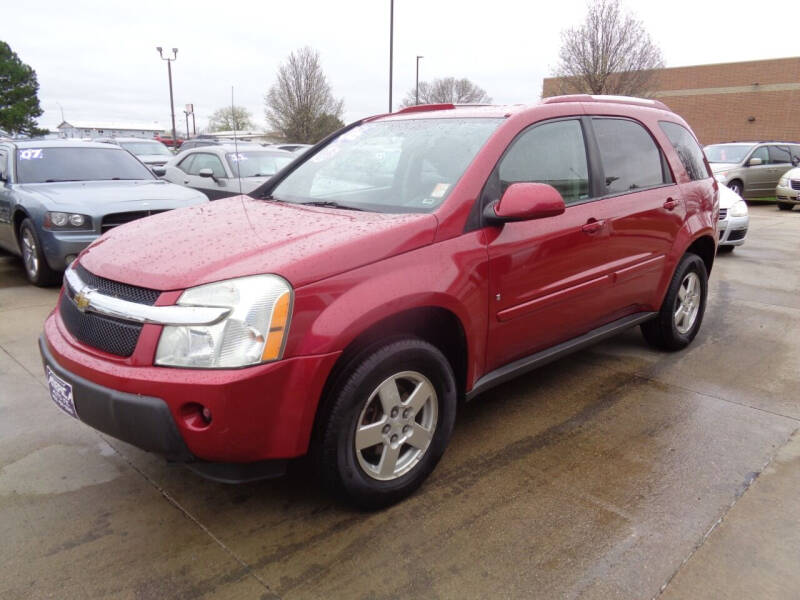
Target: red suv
[406, 262]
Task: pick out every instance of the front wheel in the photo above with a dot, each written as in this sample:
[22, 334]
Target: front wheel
[736, 186]
[388, 424]
[681, 313]
[36, 267]
[785, 206]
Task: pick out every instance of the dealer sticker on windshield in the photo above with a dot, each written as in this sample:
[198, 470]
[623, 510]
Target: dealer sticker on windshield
[30, 153]
[61, 393]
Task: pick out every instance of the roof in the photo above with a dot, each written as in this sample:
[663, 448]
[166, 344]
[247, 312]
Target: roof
[59, 144]
[241, 147]
[119, 138]
[122, 125]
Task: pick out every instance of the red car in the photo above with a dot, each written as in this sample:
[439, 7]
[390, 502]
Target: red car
[406, 262]
[168, 141]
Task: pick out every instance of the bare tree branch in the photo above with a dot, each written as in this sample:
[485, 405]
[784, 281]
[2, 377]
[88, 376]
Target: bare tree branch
[300, 105]
[447, 89]
[610, 53]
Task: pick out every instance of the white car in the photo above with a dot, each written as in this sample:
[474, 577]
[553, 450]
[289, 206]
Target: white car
[787, 191]
[733, 219]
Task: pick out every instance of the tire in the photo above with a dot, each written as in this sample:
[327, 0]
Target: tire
[725, 249]
[33, 259]
[668, 330]
[736, 186]
[374, 403]
[785, 206]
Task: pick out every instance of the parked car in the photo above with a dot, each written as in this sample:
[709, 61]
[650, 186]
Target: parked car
[734, 219]
[343, 314]
[787, 192]
[296, 148]
[752, 169]
[151, 152]
[226, 169]
[58, 196]
[167, 140]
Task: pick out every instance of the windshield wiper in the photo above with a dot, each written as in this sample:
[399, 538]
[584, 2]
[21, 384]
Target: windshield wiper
[59, 180]
[330, 204]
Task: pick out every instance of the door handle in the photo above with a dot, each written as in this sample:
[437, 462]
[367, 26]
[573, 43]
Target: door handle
[670, 204]
[592, 226]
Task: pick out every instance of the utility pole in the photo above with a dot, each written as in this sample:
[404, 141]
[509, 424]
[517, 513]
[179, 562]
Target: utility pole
[418, 57]
[391, 49]
[171, 103]
[187, 123]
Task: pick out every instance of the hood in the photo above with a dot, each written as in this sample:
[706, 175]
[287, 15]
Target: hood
[717, 167]
[77, 193]
[727, 197]
[241, 236]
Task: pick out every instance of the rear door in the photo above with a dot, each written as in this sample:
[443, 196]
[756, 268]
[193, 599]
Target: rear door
[6, 200]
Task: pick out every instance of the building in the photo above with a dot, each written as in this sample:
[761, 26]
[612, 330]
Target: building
[92, 129]
[754, 100]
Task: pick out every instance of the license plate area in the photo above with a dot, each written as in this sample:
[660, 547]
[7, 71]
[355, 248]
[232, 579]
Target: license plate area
[61, 392]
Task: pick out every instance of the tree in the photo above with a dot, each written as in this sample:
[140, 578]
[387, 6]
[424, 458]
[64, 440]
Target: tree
[300, 105]
[447, 90]
[230, 118]
[19, 101]
[610, 53]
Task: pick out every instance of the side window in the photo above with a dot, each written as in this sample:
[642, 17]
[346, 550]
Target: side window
[3, 165]
[779, 155]
[631, 159]
[552, 153]
[186, 163]
[795, 152]
[687, 149]
[761, 153]
[207, 161]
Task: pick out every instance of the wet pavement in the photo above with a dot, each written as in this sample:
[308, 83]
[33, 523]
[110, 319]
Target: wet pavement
[618, 472]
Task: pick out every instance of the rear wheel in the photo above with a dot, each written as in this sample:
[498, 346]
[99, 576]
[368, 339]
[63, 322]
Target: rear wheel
[36, 267]
[681, 313]
[388, 423]
[784, 206]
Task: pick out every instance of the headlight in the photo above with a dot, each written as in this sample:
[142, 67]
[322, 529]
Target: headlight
[254, 332]
[739, 209]
[783, 182]
[63, 220]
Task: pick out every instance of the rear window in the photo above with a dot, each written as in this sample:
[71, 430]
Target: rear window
[46, 165]
[631, 159]
[687, 149]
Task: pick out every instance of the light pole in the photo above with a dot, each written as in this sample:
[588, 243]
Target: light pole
[418, 57]
[391, 49]
[171, 103]
[186, 112]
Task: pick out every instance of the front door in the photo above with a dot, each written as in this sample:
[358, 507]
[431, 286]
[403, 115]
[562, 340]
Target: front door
[758, 177]
[215, 188]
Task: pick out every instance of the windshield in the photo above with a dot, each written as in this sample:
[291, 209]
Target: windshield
[143, 148]
[257, 164]
[43, 165]
[390, 166]
[727, 153]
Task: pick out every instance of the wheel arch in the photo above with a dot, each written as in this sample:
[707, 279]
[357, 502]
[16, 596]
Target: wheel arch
[704, 247]
[20, 214]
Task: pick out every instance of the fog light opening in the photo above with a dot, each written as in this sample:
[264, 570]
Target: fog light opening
[195, 416]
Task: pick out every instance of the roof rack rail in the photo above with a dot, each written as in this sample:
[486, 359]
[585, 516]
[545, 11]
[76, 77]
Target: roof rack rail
[606, 98]
[425, 108]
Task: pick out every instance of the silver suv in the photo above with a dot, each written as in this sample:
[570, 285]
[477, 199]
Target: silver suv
[752, 169]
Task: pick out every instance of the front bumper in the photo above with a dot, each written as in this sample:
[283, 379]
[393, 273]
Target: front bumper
[787, 195]
[733, 230]
[259, 413]
[58, 246]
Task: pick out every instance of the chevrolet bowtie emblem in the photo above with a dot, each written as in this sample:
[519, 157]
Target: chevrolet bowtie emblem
[81, 301]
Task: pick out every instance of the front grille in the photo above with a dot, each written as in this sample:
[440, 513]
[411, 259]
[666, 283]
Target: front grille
[104, 333]
[115, 336]
[795, 184]
[117, 219]
[737, 235]
[723, 212]
[123, 291]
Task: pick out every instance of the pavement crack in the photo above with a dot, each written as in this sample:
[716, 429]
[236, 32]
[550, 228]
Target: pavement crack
[24, 368]
[246, 568]
[746, 484]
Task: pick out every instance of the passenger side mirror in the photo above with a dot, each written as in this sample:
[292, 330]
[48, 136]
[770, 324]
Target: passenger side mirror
[159, 171]
[524, 202]
[753, 162]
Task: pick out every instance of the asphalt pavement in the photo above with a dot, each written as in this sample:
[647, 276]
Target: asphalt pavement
[617, 472]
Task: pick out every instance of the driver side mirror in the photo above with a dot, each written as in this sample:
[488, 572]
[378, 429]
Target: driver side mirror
[525, 202]
[754, 162]
[208, 172]
[159, 171]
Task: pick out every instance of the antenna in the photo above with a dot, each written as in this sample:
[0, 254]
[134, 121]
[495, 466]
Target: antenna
[236, 143]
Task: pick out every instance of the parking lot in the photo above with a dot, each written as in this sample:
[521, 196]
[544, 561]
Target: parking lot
[616, 472]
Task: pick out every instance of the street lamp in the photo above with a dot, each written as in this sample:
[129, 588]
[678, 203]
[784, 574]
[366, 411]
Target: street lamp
[171, 103]
[418, 57]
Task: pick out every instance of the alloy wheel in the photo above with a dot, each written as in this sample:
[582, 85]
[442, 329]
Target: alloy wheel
[688, 303]
[396, 425]
[30, 254]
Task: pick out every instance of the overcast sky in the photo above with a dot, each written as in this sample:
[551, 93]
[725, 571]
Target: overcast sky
[98, 59]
